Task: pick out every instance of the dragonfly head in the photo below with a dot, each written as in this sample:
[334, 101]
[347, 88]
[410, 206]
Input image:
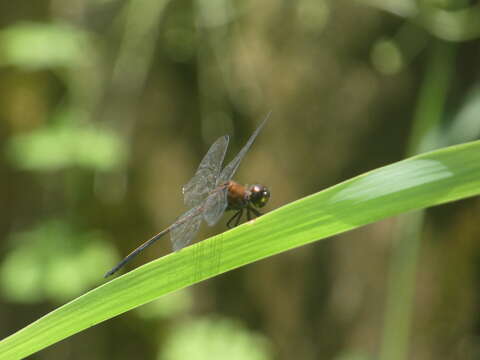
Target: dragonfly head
[259, 195]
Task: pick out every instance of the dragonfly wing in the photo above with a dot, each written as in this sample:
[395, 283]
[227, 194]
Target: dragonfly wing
[215, 206]
[229, 170]
[204, 180]
[185, 228]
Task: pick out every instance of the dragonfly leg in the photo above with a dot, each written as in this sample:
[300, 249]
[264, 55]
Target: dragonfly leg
[249, 215]
[239, 217]
[254, 211]
[233, 218]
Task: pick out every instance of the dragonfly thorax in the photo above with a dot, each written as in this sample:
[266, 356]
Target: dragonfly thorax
[240, 196]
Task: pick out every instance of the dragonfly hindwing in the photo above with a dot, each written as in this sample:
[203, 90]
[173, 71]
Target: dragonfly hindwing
[229, 170]
[204, 180]
[185, 228]
[215, 206]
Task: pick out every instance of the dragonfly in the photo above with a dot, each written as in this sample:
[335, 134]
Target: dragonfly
[208, 194]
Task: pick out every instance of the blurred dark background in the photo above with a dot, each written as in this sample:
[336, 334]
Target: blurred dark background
[107, 107]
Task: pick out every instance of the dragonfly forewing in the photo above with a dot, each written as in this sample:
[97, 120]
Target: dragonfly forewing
[185, 228]
[204, 180]
[229, 170]
[215, 205]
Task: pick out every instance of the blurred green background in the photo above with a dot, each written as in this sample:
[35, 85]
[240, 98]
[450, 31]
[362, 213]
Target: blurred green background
[107, 107]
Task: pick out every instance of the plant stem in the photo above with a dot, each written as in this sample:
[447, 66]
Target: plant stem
[405, 254]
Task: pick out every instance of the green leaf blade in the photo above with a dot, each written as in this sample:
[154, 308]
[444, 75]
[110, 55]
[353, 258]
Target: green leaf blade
[429, 179]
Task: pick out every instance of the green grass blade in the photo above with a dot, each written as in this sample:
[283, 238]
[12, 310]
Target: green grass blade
[429, 179]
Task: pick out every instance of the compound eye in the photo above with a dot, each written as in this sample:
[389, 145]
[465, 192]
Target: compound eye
[260, 195]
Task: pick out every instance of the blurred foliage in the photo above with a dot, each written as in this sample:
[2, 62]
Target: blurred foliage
[66, 145]
[354, 356]
[107, 106]
[465, 125]
[29, 45]
[52, 262]
[214, 338]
